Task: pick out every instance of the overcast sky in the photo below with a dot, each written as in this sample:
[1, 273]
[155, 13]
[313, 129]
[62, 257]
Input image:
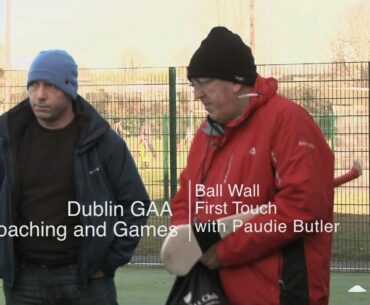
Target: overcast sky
[166, 32]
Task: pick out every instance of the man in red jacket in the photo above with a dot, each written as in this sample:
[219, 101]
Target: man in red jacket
[255, 148]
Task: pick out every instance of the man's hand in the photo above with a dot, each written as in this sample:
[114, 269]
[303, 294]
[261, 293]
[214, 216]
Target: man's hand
[210, 259]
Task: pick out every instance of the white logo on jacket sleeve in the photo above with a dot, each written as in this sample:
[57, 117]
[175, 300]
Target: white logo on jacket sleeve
[252, 151]
[93, 171]
[305, 143]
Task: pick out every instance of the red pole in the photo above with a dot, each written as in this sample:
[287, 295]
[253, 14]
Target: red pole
[251, 25]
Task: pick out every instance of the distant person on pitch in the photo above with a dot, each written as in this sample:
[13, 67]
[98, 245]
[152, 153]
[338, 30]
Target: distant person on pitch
[253, 136]
[55, 148]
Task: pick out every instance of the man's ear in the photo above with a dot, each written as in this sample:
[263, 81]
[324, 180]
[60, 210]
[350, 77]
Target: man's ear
[237, 87]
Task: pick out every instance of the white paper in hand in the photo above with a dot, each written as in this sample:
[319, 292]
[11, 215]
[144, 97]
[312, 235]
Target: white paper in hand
[181, 250]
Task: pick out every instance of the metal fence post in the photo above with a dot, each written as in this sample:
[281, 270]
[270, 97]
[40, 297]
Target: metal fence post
[173, 140]
[165, 158]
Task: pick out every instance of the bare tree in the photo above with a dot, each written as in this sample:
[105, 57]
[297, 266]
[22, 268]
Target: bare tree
[352, 41]
[233, 14]
[133, 58]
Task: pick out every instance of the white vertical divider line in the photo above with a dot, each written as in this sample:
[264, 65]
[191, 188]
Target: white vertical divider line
[189, 210]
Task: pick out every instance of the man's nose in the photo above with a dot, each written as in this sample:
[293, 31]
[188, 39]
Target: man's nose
[40, 92]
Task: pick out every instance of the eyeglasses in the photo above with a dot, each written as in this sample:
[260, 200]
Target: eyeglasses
[201, 83]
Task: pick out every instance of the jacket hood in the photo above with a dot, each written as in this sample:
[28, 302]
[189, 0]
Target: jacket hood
[266, 88]
[15, 121]
[93, 124]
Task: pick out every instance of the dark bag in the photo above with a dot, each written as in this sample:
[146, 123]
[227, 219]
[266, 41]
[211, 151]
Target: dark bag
[200, 286]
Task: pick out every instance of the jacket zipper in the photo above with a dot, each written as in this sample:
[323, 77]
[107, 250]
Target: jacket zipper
[80, 261]
[204, 170]
[11, 202]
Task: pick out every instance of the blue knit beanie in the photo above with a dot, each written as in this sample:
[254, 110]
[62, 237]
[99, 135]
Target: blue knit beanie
[56, 67]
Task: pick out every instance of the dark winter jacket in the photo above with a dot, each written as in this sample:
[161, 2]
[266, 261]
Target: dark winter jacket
[105, 172]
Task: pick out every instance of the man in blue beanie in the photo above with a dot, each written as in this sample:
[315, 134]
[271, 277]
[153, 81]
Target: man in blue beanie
[59, 163]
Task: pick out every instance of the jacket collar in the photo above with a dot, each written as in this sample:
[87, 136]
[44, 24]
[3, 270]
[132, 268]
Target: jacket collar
[265, 88]
[15, 121]
[212, 128]
[93, 126]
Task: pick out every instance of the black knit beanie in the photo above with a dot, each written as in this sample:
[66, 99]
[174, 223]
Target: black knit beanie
[223, 55]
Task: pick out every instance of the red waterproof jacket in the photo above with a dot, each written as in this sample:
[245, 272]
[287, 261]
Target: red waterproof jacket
[277, 153]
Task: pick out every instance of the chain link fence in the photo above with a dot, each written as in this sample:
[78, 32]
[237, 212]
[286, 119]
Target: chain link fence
[153, 109]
